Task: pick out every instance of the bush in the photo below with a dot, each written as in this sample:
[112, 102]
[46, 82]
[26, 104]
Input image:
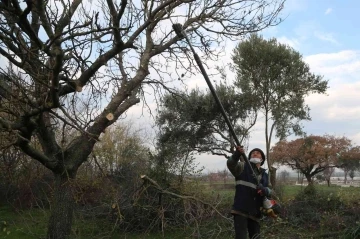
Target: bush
[353, 232]
[313, 209]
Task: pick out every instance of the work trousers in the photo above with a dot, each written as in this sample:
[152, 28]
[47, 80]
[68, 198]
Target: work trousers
[243, 225]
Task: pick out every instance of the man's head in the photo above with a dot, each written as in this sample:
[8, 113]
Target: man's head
[257, 153]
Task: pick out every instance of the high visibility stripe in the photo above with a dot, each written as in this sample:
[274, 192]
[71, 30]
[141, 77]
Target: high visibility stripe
[242, 182]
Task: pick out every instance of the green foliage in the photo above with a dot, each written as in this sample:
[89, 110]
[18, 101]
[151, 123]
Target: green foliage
[349, 160]
[121, 150]
[277, 80]
[194, 118]
[312, 208]
[353, 232]
[22, 224]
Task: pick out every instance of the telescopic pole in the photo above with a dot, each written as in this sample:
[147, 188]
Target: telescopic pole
[180, 33]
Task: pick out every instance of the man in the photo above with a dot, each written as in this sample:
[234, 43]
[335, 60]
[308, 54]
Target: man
[249, 192]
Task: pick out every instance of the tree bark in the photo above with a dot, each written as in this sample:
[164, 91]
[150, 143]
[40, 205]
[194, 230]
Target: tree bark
[345, 176]
[273, 176]
[61, 217]
[308, 178]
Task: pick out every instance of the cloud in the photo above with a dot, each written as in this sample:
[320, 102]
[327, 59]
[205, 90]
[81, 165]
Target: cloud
[325, 58]
[328, 11]
[307, 30]
[341, 67]
[292, 42]
[326, 37]
[295, 6]
[338, 112]
[340, 104]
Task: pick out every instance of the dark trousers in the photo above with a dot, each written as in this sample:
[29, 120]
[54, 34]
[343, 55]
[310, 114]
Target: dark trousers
[243, 225]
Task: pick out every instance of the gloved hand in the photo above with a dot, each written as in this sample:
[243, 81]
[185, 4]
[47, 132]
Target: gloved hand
[238, 152]
[263, 191]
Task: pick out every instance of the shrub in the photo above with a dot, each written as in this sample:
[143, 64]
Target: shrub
[313, 208]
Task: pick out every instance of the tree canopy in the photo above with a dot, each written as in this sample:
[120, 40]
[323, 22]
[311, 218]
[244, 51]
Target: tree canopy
[277, 79]
[195, 119]
[312, 154]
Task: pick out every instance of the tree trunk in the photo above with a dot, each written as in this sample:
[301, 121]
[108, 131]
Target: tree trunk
[273, 176]
[328, 182]
[308, 178]
[61, 217]
[345, 176]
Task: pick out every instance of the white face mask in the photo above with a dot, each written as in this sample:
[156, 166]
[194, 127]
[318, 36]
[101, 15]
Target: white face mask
[255, 160]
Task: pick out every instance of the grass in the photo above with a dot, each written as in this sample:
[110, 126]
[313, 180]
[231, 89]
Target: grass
[25, 224]
[32, 224]
[348, 194]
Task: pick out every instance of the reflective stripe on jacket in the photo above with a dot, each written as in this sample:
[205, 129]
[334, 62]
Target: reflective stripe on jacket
[246, 199]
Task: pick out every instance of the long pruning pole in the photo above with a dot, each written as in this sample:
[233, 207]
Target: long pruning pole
[181, 34]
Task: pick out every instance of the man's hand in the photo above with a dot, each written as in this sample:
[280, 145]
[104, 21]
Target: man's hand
[239, 150]
[263, 191]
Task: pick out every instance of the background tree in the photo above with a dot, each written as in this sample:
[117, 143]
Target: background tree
[310, 155]
[171, 163]
[195, 118]
[284, 175]
[75, 65]
[350, 161]
[121, 151]
[352, 174]
[224, 174]
[275, 76]
[328, 172]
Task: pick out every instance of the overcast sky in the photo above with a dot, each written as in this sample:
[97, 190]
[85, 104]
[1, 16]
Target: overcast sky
[326, 33]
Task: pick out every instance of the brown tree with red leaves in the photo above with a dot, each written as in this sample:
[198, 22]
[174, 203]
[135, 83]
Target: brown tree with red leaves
[311, 155]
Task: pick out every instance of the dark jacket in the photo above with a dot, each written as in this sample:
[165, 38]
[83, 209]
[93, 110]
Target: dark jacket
[247, 201]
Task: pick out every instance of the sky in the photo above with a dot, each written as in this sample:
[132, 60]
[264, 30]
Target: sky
[326, 33]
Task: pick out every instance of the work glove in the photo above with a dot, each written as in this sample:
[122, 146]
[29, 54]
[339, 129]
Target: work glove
[263, 191]
[238, 152]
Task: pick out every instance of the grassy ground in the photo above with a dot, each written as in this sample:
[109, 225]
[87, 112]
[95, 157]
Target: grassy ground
[348, 194]
[26, 224]
[32, 224]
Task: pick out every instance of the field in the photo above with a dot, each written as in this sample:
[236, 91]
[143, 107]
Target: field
[32, 223]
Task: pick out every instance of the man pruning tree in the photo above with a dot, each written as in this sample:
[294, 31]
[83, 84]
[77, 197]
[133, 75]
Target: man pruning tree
[250, 177]
[249, 194]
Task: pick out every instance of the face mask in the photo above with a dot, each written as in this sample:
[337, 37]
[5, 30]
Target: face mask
[255, 160]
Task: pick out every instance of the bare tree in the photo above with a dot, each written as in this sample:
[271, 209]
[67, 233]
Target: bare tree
[224, 174]
[284, 176]
[80, 65]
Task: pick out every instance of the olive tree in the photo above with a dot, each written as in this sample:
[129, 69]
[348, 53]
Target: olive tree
[195, 118]
[82, 64]
[277, 79]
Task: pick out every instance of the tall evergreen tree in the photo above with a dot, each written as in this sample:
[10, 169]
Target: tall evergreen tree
[277, 80]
